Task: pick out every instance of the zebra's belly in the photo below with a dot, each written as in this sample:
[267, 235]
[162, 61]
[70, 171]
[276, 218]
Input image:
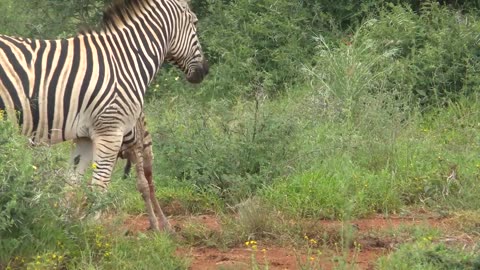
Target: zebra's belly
[39, 124]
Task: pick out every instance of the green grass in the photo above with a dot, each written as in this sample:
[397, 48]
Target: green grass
[354, 180]
[144, 252]
[426, 255]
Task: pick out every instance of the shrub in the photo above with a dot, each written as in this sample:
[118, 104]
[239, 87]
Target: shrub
[39, 230]
[231, 151]
[432, 54]
[30, 184]
[50, 19]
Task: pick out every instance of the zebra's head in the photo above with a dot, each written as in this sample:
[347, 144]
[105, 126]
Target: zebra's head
[185, 49]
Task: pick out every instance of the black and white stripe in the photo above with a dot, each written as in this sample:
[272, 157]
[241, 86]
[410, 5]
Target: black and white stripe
[91, 87]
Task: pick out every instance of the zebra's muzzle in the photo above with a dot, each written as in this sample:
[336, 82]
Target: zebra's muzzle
[199, 73]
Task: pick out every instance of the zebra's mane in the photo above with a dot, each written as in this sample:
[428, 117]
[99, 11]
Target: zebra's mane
[118, 7]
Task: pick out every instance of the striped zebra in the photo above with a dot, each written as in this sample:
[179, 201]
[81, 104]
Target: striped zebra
[136, 149]
[90, 88]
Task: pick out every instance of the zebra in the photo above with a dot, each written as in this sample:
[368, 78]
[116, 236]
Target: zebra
[90, 88]
[138, 150]
[125, 153]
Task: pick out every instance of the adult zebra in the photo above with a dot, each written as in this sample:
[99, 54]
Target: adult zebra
[91, 87]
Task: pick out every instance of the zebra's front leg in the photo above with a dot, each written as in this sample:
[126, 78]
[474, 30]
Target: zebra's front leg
[105, 151]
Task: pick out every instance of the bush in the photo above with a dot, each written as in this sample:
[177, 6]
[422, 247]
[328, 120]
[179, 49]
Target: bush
[30, 184]
[49, 19]
[432, 54]
[254, 45]
[264, 44]
[380, 160]
[229, 150]
[39, 230]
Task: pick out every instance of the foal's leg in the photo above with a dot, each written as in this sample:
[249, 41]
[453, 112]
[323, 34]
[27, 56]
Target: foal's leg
[135, 155]
[147, 167]
[144, 188]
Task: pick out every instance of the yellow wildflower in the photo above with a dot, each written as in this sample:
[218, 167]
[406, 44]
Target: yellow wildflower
[94, 166]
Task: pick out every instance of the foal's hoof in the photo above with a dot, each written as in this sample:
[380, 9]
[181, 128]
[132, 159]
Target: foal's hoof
[167, 229]
[153, 228]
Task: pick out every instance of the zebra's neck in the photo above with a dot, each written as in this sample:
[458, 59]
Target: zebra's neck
[138, 32]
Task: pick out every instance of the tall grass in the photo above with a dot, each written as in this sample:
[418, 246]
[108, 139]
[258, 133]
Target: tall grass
[372, 145]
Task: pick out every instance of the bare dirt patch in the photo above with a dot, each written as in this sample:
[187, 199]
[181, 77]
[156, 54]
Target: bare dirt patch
[371, 243]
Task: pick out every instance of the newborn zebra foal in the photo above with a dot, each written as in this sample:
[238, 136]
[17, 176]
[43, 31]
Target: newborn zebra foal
[147, 152]
[141, 154]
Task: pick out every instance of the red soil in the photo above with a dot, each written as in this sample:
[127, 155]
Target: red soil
[372, 244]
